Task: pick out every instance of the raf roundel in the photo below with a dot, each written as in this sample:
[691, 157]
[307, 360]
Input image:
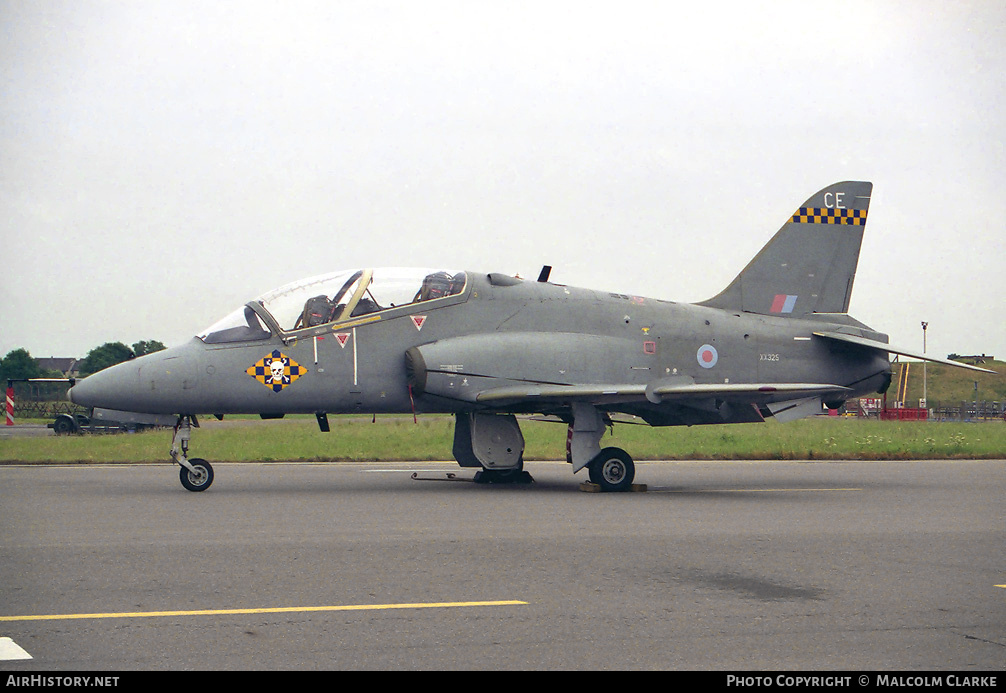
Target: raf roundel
[707, 356]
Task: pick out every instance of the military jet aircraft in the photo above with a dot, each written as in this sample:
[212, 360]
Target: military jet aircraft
[777, 342]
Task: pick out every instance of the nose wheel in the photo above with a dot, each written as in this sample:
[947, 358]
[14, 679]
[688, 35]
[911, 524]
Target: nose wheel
[195, 474]
[199, 477]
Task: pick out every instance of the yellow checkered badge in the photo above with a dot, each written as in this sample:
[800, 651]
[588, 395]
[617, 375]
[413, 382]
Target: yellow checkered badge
[276, 371]
[818, 215]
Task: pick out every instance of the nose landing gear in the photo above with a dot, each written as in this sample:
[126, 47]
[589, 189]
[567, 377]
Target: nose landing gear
[195, 474]
[199, 477]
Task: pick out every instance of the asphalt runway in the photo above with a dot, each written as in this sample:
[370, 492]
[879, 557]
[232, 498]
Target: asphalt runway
[729, 566]
[25, 431]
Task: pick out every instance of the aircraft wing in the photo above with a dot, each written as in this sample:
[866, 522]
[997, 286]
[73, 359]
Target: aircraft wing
[561, 393]
[657, 392]
[883, 346]
[516, 371]
[726, 391]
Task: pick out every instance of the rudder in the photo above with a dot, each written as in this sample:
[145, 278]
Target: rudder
[810, 264]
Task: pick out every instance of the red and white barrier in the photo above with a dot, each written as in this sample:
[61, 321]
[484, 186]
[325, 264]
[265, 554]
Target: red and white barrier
[10, 405]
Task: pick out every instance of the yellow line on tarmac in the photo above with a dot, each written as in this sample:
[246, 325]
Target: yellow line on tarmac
[781, 490]
[760, 490]
[272, 610]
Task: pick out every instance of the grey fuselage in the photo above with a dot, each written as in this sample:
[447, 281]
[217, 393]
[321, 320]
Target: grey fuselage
[499, 332]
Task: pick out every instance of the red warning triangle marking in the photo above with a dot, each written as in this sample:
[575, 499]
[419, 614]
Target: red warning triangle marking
[343, 337]
[419, 321]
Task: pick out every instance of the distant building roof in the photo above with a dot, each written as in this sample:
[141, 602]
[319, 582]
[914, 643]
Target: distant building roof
[63, 365]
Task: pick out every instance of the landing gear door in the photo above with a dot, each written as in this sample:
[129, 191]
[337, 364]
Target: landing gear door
[492, 441]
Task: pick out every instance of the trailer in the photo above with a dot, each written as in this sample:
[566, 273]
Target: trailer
[76, 424]
[71, 421]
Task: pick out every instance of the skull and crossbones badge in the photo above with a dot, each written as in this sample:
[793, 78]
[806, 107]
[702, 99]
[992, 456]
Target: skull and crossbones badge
[276, 371]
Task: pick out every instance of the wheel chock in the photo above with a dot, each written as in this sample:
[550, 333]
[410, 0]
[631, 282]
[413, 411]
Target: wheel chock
[590, 487]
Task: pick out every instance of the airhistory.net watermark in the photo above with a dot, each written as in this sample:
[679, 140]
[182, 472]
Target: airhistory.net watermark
[42, 681]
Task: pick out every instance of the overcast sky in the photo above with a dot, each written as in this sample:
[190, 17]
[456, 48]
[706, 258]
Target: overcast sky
[162, 163]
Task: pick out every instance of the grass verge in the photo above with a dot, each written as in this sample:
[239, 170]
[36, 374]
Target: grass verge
[397, 438]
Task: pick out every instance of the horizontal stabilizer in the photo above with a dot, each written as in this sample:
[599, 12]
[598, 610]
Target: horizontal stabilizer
[882, 346]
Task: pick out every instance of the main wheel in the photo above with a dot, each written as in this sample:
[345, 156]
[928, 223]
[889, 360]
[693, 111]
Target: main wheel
[612, 470]
[201, 479]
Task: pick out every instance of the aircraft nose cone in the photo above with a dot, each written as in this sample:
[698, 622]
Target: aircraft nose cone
[105, 388]
[74, 393]
[160, 383]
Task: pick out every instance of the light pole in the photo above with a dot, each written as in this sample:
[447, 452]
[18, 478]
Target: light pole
[925, 393]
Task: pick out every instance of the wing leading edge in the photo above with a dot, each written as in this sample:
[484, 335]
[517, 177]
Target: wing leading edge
[656, 393]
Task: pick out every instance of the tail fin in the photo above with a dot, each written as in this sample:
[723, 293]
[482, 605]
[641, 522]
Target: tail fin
[810, 264]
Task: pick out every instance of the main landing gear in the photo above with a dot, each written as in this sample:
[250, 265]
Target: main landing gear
[494, 444]
[612, 469]
[195, 474]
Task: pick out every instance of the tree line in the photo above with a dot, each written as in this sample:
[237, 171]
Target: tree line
[19, 363]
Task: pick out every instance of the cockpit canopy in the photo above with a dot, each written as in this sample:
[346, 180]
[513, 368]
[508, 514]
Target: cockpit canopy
[334, 298]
